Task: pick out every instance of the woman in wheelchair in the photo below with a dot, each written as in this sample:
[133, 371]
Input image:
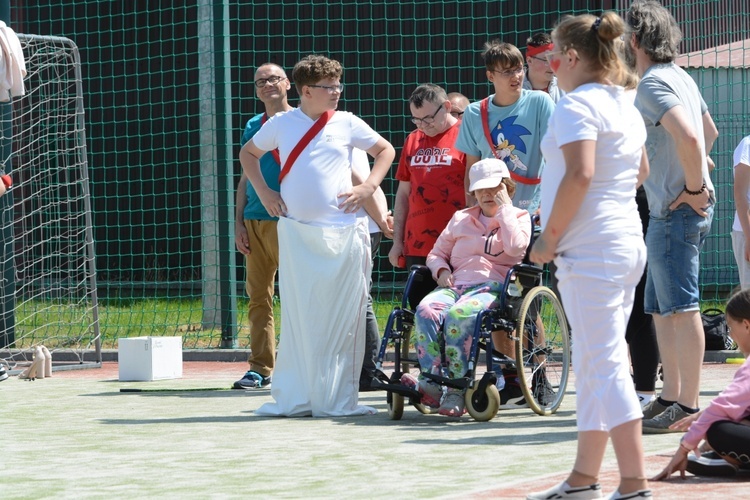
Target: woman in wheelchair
[469, 261]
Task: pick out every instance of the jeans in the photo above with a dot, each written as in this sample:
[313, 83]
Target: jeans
[674, 243]
[743, 266]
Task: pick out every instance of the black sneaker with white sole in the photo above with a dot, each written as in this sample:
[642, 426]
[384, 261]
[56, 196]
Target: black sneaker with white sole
[542, 389]
[3, 373]
[512, 397]
[710, 464]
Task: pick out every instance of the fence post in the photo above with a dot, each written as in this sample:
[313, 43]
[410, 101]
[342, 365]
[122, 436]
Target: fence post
[217, 210]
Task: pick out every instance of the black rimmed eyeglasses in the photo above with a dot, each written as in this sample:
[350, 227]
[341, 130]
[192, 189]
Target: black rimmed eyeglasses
[427, 120]
[272, 80]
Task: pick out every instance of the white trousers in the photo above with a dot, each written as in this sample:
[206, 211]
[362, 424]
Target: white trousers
[597, 286]
[743, 266]
[323, 289]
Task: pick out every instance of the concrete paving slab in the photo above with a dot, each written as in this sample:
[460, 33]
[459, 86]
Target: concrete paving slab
[75, 435]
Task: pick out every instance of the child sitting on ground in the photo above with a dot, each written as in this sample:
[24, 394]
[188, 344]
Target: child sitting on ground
[725, 423]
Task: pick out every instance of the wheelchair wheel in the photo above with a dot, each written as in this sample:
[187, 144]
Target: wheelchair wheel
[482, 407]
[425, 410]
[395, 405]
[542, 350]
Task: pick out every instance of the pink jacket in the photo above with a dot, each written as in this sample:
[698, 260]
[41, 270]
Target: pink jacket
[732, 404]
[461, 245]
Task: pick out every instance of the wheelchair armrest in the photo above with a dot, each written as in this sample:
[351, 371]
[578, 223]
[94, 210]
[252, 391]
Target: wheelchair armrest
[527, 275]
[527, 269]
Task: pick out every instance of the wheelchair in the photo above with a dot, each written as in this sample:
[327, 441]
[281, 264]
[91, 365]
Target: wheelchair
[531, 317]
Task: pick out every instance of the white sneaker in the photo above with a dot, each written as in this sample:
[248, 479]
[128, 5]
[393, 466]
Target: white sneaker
[564, 490]
[630, 496]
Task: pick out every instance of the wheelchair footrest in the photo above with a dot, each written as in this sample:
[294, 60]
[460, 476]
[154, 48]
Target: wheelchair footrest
[455, 383]
[398, 388]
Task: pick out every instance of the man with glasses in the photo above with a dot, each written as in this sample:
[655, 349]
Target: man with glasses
[431, 177]
[255, 234]
[324, 254]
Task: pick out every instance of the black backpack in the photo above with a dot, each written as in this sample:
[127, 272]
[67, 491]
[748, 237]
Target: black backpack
[716, 331]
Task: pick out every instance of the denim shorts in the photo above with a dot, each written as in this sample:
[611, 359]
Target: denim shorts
[674, 243]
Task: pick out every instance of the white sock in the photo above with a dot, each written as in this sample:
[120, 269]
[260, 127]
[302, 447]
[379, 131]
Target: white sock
[645, 399]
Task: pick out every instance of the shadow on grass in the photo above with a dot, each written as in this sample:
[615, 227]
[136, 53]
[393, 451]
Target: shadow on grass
[517, 427]
[228, 419]
[182, 393]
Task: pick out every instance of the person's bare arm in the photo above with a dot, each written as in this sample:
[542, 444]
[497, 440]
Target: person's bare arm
[383, 154]
[643, 168]
[687, 143]
[250, 159]
[741, 185]
[710, 134]
[384, 219]
[400, 211]
[241, 240]
[376, 207]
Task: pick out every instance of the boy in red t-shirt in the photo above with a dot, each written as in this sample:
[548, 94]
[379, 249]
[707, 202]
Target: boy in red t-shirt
[431, 177]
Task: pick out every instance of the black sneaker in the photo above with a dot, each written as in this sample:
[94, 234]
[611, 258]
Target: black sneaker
[365, 384]
[3, 373]
[710, 464]
[252, 380]
[542, 390]
[512, 397]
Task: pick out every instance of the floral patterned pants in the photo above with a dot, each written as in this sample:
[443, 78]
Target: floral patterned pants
[456, 309]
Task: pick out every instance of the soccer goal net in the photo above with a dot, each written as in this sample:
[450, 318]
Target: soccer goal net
[48, 293]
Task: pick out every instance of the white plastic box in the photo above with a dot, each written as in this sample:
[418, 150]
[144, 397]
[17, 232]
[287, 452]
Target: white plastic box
[149, 358]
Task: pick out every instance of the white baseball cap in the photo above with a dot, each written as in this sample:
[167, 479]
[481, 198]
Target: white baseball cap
[487, 173]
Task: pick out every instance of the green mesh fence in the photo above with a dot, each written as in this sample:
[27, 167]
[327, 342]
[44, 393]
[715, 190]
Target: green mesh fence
[167, 91]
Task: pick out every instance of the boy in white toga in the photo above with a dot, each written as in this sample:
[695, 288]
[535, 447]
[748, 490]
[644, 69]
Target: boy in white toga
[324, 252]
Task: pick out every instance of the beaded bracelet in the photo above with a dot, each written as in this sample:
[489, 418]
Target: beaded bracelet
[694, 193]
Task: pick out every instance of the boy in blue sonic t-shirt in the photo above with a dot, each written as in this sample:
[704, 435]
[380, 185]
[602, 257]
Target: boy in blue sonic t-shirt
[508, 125]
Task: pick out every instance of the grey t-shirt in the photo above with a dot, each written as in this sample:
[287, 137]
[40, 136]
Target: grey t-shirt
[663, 87]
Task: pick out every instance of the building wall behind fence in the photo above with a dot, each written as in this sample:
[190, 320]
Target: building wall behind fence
[141, 79]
